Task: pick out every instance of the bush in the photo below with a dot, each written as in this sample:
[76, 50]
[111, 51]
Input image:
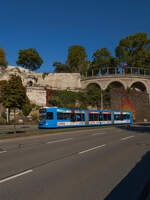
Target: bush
[4, 115]
[2, 121]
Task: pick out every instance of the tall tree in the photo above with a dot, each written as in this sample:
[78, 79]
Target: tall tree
[76, 57]
[61, 68]
[13, 95]
[101, 58]
[29, 58]
[26, 109]
[93, 95]
[3, 62]
[76, 61]
[134, 50]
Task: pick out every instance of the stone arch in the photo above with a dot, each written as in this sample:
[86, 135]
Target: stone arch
[140, 86]
[86, 84]
[30, 83]
[116, 84]
[95, 84]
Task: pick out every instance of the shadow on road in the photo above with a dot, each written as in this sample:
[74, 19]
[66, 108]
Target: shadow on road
[140, 128]
[136, 185]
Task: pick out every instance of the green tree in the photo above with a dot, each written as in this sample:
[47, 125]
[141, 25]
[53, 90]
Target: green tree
[61, 68]
[55, 101]
[134, 50]
[102, 58]
[76, 57]
[13, 95]
[29, 58]
[93, 95]
[3, 62]
[76, 61]
[68, 99]
[107, 98]
[26, 109]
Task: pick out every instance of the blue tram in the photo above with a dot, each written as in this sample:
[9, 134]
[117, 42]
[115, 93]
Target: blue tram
[53, 117]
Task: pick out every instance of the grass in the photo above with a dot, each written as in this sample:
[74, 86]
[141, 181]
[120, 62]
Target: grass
[47, 131]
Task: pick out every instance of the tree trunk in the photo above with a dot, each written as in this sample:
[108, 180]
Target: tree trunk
[14, 121]
[8, 115]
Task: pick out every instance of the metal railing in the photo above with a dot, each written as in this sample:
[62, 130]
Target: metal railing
[116, 71]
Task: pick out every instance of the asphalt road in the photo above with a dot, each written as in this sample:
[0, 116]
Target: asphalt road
[97, 164]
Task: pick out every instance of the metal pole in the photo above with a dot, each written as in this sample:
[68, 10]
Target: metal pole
[7, 114]
[92, 73]
[138, 71]
[102, 100]
[115, 71]
[107, 71]
[100, 71]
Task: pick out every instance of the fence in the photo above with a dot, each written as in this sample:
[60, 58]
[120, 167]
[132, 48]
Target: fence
[116, 71]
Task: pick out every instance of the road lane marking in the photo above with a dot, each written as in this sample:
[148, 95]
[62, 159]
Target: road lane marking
[98, 134]
[62, 140]
[15, 176]
[3, 151]
[81, 152]
[126, 138]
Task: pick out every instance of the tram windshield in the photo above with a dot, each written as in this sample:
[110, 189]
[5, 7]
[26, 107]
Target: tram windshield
[45, 116]
[42, 116]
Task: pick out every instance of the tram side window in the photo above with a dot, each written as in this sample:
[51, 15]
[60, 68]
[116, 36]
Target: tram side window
[117, 117]
[96, 117]
[121, 116]
[78, 117]
[67, 116]
[90, 117]
[124, 116]
[49, 115]
[73, 117]
[109, 116]
[128, 116]
[100, 117]
[60, 115]
[83, 117]
[105, 117]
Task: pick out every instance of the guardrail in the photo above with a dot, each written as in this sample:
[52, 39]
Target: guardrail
[116, 71]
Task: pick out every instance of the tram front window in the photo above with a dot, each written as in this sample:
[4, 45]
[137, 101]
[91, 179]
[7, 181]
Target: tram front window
[42, 116]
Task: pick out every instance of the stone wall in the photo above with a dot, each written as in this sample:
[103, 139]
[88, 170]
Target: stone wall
[60, 81]
[37, 82]
[37, 95]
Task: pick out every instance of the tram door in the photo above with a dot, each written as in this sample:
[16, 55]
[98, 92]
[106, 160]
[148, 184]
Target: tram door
[86, 118]
[112, 117]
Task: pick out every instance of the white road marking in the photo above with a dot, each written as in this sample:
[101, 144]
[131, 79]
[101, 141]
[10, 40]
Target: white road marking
[15, 176]
[98, 134]
[126, 138]
[3, 151]
[62, 140]
[92, 149]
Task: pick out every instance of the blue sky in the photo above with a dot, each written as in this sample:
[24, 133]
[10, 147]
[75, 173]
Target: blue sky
[52, 26]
